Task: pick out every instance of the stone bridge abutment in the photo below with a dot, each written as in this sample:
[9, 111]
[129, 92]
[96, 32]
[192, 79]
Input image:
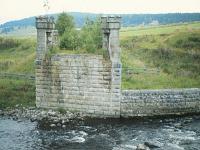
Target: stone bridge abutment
[91, 84]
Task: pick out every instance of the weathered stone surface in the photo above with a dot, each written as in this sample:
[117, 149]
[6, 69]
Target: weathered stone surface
[78, 83]
[46, 36]
[159, 102]
[110, 29]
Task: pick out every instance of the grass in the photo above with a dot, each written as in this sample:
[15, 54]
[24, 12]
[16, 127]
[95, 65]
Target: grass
[61, 110]
[16, 92]
[157, 30]
[176, 54]
[17, 57]
[56, 50]
[157, 81]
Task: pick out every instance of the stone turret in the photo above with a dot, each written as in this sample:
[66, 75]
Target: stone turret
[110, 28]
[46, 36]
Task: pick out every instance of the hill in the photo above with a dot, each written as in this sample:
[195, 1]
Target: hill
[127, 20]
[169, 56]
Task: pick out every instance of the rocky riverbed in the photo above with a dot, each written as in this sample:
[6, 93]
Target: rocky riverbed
[31, 128]
[48, 118]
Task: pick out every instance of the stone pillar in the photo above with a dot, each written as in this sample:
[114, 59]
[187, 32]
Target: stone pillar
[110, 29]
[114, 45]
[105, 33]
[55, 38]
[45, 28]
[46, 38]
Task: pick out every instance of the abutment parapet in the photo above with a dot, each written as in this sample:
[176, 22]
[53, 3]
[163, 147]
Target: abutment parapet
[110, 28]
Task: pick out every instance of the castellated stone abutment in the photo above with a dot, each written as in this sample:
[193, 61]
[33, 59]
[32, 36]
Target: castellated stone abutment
[91, 85]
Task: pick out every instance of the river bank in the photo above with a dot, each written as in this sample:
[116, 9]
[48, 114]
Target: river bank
[49, 117]
[60, 117]
[20, 131]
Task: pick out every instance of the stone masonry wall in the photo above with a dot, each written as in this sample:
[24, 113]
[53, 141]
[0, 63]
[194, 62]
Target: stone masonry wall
[159, 102]
[77, 83]
[92, 85]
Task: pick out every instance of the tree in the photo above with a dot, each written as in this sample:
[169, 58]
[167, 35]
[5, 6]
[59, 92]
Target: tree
[69, 40]
[64, 23]
[91, 36]
[67, 32]
[89, 39]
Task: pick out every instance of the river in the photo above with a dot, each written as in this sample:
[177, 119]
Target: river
[98, 134]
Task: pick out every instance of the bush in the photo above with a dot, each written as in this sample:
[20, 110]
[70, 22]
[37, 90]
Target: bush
[91, 36]
[185, 41]
[8, 43]
[66, 29]
[89, 39]
[64, 23]
[69, 40]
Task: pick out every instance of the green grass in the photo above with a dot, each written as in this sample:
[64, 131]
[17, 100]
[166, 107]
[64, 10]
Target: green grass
[56, 50]
[16, 92]
[157, 30]
[17, 57]
[173, 50]
[157, 81]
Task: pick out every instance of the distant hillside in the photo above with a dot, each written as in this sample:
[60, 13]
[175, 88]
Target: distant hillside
[127, 20]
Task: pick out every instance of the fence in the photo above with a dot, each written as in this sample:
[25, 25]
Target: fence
[147, 78]
[17, 76]
[132, 78]
[129, 71]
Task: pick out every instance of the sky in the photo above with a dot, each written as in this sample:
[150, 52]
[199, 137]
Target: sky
[17, 9]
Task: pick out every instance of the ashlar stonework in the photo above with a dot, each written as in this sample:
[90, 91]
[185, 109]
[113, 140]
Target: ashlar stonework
[91, 84]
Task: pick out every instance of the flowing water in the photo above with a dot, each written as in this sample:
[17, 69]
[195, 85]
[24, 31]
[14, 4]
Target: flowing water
[124, 134]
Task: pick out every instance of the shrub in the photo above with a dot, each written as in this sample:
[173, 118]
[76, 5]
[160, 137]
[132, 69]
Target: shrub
[8, 43]
[61, 110]
[91, 36]
[69, 40]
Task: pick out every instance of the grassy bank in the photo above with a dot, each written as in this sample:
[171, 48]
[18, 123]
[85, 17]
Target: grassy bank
[17, 56]
[172, 51]
[16, 92]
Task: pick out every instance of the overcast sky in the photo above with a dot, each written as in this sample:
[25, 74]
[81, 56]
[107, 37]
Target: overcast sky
[17, 9]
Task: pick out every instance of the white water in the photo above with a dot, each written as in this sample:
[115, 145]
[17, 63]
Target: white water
[102, 134]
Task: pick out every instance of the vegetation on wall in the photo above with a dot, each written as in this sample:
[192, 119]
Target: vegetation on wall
[87, 39]
[91, 35]
[67, 32]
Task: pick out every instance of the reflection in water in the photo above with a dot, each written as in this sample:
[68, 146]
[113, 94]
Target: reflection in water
[177, 133]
